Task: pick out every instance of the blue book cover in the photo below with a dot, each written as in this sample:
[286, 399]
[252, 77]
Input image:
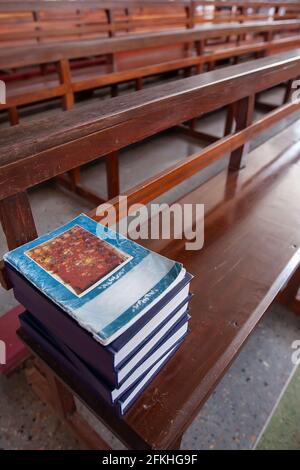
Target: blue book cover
[99, 277]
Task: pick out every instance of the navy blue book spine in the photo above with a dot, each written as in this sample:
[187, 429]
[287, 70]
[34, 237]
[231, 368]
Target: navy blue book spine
[61, 325]
[139, 393]
[53, 349]
[73, 363]
[139, 324]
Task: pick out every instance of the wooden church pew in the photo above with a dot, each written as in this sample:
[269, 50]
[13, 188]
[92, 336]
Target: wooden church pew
[45, 21]
[119, 60]
[238, 273]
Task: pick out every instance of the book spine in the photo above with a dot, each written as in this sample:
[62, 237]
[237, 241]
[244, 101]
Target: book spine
[122, 410]
[64, 327]
[58, 355]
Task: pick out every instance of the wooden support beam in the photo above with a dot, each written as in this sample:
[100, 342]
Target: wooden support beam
[139, 84]
[110, 21]
[17, 220]
[229, 119]
[66, 80]
[244, 111]
[200, 46]
[288, 91]
[112, 175]
[75, 177]
[13, 115]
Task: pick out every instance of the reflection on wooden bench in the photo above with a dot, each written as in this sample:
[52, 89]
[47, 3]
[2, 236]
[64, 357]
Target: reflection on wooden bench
[252, 230]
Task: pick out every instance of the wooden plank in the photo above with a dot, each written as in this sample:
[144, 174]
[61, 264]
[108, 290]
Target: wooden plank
[65, 79]
[17, 220]
[244, 112]
[112, 175]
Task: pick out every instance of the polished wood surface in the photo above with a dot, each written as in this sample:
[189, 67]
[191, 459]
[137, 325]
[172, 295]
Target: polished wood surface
[251, 249]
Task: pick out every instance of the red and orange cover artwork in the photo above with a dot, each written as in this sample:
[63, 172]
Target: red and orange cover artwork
[77, 258]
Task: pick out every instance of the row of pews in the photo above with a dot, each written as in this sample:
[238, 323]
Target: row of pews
[43, 21]
[251, 253]
[48, 71]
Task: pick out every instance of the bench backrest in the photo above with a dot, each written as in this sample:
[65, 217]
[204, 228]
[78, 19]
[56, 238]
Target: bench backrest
[22, 56]
[47, 21]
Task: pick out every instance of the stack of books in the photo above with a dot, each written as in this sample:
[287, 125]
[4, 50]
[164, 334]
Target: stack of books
[111, 311]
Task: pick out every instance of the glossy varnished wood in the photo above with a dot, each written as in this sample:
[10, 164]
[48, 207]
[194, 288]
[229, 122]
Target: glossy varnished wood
[74, 139]
[251, 249]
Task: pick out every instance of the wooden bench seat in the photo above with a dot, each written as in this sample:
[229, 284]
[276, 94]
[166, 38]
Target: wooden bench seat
[131, 58]
[251, 246]
[251, 249]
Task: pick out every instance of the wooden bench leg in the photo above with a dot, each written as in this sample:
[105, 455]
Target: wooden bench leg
[56, 395]
[75, 177]
[114, 90]
[229, 119]
[187, 72]
[112, 175]
[211, 66]
[200, 68]
[288, 91]
[244, 111]
[65, 79]
[138, 83]
[200, 47]
[17, 220]
[13, 116]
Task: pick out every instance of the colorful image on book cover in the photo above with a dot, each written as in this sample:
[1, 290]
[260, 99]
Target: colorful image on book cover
[78, 259]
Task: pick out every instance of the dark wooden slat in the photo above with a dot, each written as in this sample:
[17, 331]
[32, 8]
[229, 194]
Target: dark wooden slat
[112, 175]
[244, 111]
[17, 220]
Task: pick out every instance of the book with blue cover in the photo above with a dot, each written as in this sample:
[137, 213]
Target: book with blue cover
[85, 374]
[113, 360]
[102, 280]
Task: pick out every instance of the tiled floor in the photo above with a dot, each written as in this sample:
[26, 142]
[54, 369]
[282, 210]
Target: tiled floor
[235, 414]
